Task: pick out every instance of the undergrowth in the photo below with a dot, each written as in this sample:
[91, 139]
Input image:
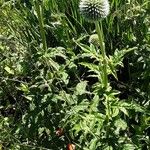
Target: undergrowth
[52, 90]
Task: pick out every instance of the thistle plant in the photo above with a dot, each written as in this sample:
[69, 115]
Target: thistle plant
[94, 11]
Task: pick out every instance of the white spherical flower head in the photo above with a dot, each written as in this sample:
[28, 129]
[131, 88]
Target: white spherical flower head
[94, 10]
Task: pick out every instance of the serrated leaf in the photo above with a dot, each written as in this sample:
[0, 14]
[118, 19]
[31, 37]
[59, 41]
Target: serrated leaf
[95, 68]
[121, 124]
[137, 107]
[94, 103]
[128, 147]
[64, 77]
[80, 107]
[81, 88]
[113, 70]
[93, 144]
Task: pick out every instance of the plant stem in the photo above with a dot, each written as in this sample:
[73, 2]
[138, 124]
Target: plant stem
[102, 47]
[105, 78]
[41, 23]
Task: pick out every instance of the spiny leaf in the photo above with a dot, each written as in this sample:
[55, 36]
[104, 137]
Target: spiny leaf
[81, 88]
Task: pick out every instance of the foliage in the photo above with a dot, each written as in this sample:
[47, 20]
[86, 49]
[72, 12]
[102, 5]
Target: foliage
[51, 80]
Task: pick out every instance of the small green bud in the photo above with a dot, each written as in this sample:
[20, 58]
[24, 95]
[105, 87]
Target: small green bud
[93, 39]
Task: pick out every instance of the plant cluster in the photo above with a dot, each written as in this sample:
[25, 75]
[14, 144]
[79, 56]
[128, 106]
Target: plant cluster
[75, 75]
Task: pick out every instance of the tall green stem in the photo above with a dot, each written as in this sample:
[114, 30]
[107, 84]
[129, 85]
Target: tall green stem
[102, 47]
[41, 24]
[99, 30]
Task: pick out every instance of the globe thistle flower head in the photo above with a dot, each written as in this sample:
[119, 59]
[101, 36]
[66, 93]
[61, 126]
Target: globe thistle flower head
[94, 10]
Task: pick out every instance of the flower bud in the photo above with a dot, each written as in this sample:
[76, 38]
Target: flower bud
[93, 39]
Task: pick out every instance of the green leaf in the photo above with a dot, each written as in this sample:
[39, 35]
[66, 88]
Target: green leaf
[81, 87]
[128, 147]
[28, 98]
[93, 144]
[124, 110]
[94, 103]
[81, 107]
[9, 70]
[95, 68]
[112, 69]
[24, 87]
[115, 112]
[121, 124]
[137, 107]
[64, 77]
[109, 148]
[40, 131]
